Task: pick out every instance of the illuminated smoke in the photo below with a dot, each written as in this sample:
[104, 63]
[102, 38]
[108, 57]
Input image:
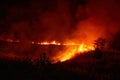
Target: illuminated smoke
[60, 20]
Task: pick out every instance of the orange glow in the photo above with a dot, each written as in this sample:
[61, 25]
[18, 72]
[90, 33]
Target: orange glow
[70, 51]
[9, 40]
[44, 43]
[84, 48]
[50, 43]
[73, 49]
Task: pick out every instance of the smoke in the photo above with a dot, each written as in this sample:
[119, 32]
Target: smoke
[41, 20]
[60, 20]
[103, 21]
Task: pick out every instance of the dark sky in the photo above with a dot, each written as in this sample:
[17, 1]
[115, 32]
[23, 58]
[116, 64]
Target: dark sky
[60, 20]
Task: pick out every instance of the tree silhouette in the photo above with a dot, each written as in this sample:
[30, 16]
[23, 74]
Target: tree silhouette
[99, 45]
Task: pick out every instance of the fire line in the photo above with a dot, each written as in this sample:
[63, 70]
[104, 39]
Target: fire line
[65, 54]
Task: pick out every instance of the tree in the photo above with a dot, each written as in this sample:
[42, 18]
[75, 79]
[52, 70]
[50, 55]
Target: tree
[99, 45]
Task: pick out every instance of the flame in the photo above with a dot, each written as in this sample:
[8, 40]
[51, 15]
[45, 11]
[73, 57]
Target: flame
[44, 43]
[85, 48]
[72, 49]
[49, 43]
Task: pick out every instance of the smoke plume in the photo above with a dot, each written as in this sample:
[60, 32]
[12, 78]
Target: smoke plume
[61, 20]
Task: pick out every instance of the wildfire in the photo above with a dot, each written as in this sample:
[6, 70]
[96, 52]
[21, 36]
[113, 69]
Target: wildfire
[50, 43]
[71, 50]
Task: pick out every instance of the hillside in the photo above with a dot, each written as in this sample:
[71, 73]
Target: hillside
[82, 67]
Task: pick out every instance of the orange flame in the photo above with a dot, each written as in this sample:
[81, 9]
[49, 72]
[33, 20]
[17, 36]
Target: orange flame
[50, 43]
[70, 52]
[73, 49]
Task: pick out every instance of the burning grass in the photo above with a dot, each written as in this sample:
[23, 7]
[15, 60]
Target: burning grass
[69, 50]
[73, 61]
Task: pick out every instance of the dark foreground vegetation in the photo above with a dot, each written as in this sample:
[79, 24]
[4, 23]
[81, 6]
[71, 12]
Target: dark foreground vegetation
[83, 67]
